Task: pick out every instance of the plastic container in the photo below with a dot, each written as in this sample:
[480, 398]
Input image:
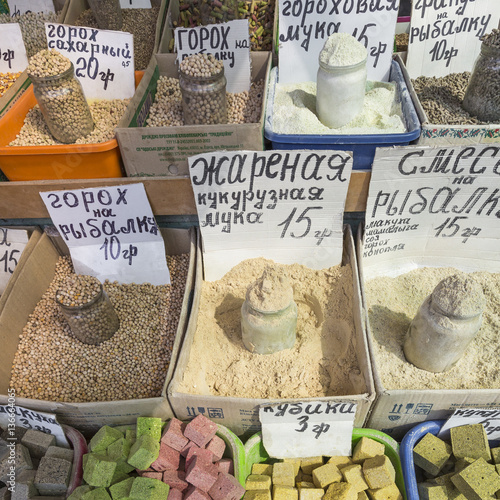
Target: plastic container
[256, 453]
[55, 96]
[72, 161]
[362, 146]
[208, 93]
[412, 437]
[481, 96]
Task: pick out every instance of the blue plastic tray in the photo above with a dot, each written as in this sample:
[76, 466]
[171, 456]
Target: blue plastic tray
[362, 146]
[411, 438]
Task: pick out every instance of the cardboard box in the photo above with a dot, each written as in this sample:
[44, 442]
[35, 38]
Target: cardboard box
[163, 151]
[241, 415]
[29, 282]
[396, 411]
[73, 9]
[436, 135]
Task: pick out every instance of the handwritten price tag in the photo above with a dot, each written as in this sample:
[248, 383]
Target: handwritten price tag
[489, 418]
[12, 244]
[135, 4]
[111, 233]
[283, 205]
[103, 60]
[13, 56]
[294, 430]
[18, 7]
[12, 415]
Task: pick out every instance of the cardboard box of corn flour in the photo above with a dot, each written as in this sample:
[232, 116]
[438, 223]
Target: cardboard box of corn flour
[431, 213]
[163, 151]
[29, 282]
[241, 414]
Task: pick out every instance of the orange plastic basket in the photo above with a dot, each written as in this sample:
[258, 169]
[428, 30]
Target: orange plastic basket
[68, 161]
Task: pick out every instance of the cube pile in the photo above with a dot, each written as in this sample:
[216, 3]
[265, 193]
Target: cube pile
[466, 469]
[368, 474]
[42, 469]
[177, 460]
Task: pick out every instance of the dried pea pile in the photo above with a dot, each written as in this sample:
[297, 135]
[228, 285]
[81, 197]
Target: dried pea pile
[50, 364]
[140, 22]
[32, 26]
[166, 111]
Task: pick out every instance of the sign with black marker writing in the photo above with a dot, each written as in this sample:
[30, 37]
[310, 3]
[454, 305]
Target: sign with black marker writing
[135, 4]
[12, 244]
[13, 56]
[229, 42]
[103, 60]
[489, 418]
[12, 416]
[307, 429]
[111, 233]
[433, 205]
[305, 25]
[18, 7]
[282, 205]
[445, 35]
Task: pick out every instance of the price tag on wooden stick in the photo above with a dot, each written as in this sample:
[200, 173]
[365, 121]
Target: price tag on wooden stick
[18, 7]
[13, 56]
[103, 60]
[308, 429]
[286, 206]
[111, 233]
[12, 244]
[135, 4]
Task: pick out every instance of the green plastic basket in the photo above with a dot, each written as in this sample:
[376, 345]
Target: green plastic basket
[254, 453]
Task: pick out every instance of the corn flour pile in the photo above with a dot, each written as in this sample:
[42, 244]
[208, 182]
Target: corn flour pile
[323, 361]
[393, 302]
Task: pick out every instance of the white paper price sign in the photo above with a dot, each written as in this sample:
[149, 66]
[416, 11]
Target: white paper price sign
[284, 205]
[229, 42]
[111, 233]
[12, 50]
[445, 36]
[489, 418]
[309, 429]
[439, 204]
[12, 416]
[135, 4]
[12, 244]
[305, 25]
[18, 7]
[103, 60]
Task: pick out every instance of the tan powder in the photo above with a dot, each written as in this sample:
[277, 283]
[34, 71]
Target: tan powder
[393, 302]
[322, 362]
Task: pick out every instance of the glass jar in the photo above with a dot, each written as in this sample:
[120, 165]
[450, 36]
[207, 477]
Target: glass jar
[63, 105]
[445, 324]
[203, 98]
[107, 13]
[266, 332]
[93, 322]
[340, 93]
[482, 96]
